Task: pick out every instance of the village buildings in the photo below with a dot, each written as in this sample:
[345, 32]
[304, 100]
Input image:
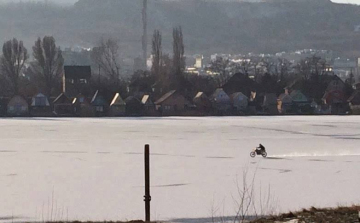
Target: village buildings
[239, 94]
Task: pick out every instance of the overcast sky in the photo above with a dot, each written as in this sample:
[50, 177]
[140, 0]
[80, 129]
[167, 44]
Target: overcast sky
[73, 1]
[340, 1]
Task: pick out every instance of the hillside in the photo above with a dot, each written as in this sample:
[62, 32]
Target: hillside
[229, 26]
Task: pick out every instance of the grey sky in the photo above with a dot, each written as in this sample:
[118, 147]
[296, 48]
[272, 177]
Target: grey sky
[73, 1]
[58, 1]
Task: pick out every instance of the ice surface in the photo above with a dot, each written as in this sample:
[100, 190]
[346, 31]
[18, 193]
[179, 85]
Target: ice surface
[92, 169]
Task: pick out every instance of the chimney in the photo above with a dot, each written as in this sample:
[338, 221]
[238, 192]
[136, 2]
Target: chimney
[287, 91]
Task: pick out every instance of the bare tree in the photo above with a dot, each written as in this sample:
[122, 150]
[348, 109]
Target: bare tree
[13, 60]
[283, 68]
[249, 66]
[304, 69]
[106, 55]
[157, 54]
[317, 65]
[244, 67]
[245, 197]
[268, 65]
[48, 62]
[351, 79]
[220, 66]
[178, 50]
[249, 201]
[311, 66]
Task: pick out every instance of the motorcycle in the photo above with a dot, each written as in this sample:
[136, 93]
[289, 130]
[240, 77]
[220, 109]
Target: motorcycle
[259, 153]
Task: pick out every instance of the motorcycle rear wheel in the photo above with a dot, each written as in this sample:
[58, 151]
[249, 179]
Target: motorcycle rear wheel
[264, 154]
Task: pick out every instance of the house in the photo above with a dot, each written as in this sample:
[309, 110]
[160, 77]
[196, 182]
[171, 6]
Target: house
[335, 101]
[315, 107]
[134, 106]
[157, 88]
[99, 104]
[3, 106]
[76, 79]
[239, 102]
[270, 104]
[301, 103]
[335, 96]
[285, 104]
[63, 106]
[356, 86]
[335, 84]
[17, 107]
[255, 103]
[82, 106]
[202, 102]
[221, 102]
[172, 103]
[299, 98]
[354, 103]
[148, 105]
[297, 84]
[117, 106]
[40, 106]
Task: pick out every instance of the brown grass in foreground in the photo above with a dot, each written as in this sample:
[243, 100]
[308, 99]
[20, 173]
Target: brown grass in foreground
[314, 215]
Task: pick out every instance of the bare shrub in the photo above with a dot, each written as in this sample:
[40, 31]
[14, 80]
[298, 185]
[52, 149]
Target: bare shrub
[250, 202]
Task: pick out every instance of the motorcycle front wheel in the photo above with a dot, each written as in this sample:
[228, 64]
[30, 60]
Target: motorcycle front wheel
[252, 154]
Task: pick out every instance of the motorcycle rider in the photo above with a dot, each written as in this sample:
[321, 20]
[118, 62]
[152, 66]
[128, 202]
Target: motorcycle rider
[261, 148]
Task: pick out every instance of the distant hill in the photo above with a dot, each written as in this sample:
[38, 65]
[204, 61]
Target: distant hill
[209, 26]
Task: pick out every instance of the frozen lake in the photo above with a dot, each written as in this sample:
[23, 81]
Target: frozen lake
[92, 169]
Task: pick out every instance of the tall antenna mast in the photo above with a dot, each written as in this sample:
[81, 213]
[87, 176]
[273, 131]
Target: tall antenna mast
[144, 37]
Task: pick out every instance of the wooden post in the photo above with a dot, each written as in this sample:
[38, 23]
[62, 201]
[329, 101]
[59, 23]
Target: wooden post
[147, 197]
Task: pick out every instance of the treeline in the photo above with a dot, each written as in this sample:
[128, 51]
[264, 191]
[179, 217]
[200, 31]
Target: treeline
[24, 72]
[21, 76]
[43, 72]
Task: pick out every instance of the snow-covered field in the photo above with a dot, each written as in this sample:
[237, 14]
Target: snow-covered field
[92, 169]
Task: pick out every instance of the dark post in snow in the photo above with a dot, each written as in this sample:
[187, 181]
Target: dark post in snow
[147, 197]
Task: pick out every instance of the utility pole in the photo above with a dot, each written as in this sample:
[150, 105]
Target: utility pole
[144, 37]
[147, 197]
